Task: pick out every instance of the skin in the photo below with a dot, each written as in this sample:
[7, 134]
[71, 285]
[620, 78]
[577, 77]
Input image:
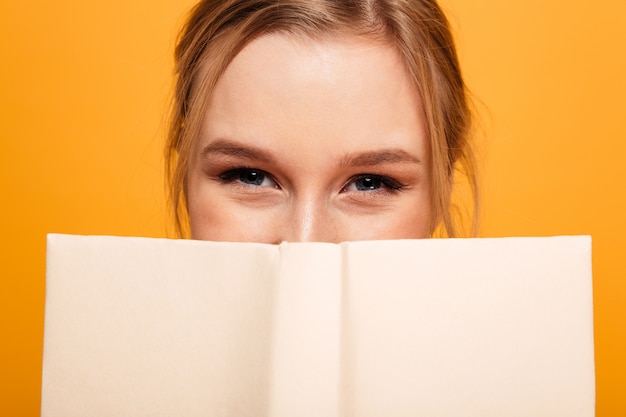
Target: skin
[311, 140]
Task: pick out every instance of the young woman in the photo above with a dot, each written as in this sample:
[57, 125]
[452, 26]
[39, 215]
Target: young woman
[317, 120]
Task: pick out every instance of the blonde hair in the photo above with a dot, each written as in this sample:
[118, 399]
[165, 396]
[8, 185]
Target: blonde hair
[217, 30]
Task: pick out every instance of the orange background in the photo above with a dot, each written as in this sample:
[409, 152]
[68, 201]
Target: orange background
[84, 89]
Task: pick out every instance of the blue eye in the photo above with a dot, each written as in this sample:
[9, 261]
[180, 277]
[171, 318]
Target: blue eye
[368, 183]
[371, 182]
[252, 177]
[248, 176]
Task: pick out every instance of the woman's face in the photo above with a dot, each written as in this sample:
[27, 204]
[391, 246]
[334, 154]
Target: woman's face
[309, 140]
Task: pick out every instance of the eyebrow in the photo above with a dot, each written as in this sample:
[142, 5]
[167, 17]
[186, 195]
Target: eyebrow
[230, 148]
[378, 157]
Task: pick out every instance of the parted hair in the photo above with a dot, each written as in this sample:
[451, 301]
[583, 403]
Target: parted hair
[217, 30]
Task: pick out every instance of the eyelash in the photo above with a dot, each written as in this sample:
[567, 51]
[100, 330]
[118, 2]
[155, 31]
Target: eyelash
[235, 174]
[387, 184]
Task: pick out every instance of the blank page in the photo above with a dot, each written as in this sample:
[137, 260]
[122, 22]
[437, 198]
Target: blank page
[472, 327]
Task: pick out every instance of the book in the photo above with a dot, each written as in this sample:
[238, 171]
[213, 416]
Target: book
[435, 327]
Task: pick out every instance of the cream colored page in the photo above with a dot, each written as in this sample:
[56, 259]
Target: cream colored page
[149, 327]
[473, 328]
[307, 331]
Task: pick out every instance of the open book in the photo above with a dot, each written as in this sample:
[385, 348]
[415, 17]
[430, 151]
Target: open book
[450, 327]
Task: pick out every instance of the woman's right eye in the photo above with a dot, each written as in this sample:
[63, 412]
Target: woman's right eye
[249, 176]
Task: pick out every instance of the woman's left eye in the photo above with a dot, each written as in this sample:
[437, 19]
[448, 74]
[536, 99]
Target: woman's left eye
[371, 182]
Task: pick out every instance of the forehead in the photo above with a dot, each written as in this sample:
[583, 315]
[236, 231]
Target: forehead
[345, 90]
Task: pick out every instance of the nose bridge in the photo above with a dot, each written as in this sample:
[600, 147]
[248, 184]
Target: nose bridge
[309, 221]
